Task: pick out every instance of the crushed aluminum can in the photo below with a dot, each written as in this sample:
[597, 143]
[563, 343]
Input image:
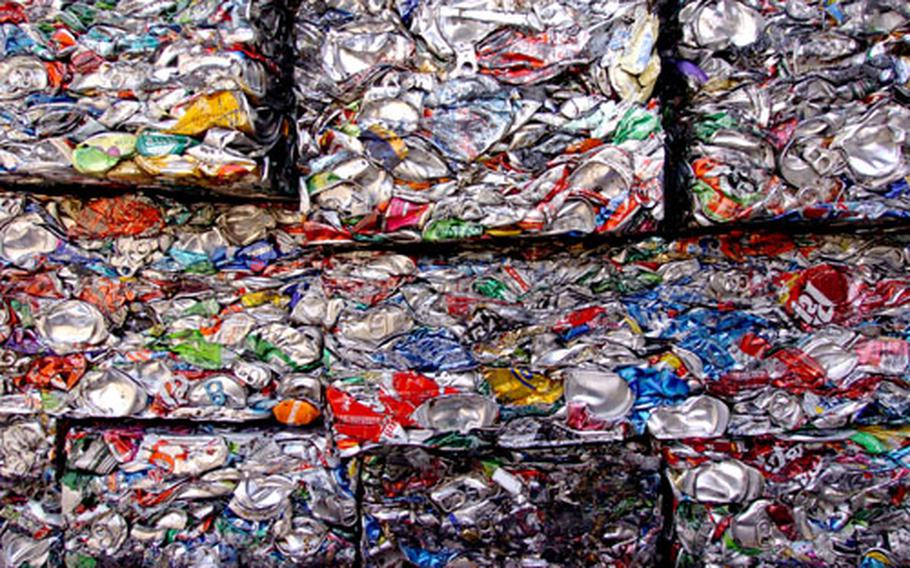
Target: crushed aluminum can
[206, 496]
[798, 111]
[597, 505]
[833, 498]
[141, 95]
[30, 520]
[447, 121]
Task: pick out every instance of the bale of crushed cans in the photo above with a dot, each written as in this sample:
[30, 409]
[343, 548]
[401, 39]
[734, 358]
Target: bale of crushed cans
[31, 525]
[139, 93]
[449, 120]
[800, 110]
[694, 338]
[580, 506]
[196, 384]
[205, 496]
[221, 313]
[839, 499]
[459, 388]
[122, 330]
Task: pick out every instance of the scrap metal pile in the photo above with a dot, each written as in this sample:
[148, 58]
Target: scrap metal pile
[193, 381]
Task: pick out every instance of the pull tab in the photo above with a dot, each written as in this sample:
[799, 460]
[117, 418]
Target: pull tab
[465, 61]
[523, 19]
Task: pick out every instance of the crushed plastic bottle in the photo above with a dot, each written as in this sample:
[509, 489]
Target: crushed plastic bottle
[459, 120]
[206, 497]
[568, 507]
[838, 499]
[799, 109]
[148, 94]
